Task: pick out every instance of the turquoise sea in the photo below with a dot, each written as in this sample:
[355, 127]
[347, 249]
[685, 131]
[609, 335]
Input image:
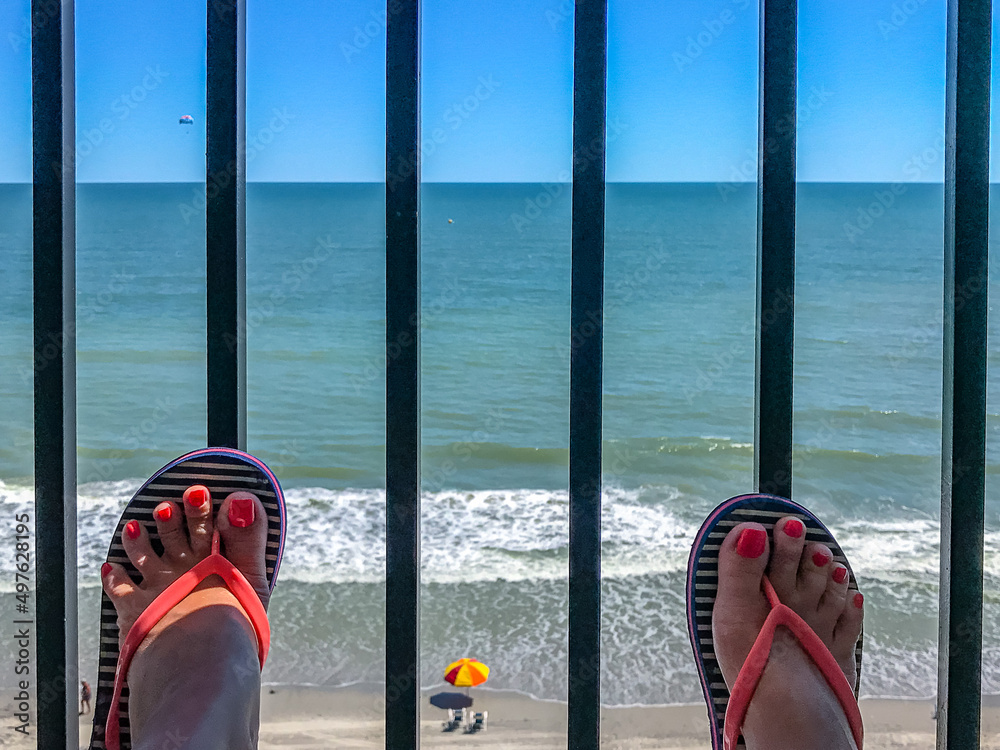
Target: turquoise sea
[495, 287]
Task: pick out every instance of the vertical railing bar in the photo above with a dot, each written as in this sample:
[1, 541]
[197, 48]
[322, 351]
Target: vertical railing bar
[54, 321]
[225, 222]
[775, 247]
[963, 443]
[402, 376]
[586, 381]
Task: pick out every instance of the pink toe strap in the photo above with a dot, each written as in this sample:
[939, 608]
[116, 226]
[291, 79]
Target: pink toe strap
[750, 674]
[174, 594]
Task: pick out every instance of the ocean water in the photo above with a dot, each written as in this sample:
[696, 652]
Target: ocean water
[495, 287]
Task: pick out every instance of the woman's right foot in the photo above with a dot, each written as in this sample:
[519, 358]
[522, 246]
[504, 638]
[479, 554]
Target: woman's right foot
[793, 707]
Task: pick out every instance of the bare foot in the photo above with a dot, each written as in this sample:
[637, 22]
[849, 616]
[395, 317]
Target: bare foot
[793, 706]
[195, 679]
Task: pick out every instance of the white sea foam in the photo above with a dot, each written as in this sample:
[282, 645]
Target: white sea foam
[338, 536]
[495, 563]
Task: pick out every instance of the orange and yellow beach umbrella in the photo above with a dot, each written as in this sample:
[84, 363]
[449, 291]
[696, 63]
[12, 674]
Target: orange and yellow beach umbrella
[466, 673]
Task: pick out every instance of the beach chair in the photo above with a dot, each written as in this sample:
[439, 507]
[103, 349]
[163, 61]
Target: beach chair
[456, 720]
[478, 723]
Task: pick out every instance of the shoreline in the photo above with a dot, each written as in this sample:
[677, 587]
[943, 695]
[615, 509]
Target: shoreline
[311, 718]
[297, 718]
[989, 700]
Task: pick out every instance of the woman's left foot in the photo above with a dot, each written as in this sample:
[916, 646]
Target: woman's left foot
[195, 679]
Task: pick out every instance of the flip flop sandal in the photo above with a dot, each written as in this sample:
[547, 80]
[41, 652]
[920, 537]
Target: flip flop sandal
[223, 471]
[726, 711]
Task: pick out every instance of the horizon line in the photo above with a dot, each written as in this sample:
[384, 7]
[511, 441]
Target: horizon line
[502, 182]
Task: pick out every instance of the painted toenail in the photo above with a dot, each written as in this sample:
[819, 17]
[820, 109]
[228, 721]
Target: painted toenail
[164, 512]
[105, 569]
[840, 575]
[196, 496]
[132, 529]
[751, 543]
[794, 528]
[820, 559]
[859, 600]
[241, 512]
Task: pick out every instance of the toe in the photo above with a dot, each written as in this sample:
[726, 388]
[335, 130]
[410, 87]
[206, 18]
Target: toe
[116, 582]
[834, 597]
[135, 540]
[814, 572]
[743, 558]
[170, 527]
[740, 606]
[848, 628]
[788, 540]
[198, 512]
[242, 524]
[846, 634]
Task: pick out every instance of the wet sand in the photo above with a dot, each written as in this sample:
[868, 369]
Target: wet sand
[302, 718]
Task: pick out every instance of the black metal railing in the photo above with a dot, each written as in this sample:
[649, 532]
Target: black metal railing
[402, 376]
[53, 129]
[225, 223]
[772, 455]
[965, 313]
[585, 372]
[963, 441]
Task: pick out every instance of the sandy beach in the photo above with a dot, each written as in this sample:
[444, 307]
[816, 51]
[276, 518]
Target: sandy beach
[310, 719]
[301, 718]
[294, 718]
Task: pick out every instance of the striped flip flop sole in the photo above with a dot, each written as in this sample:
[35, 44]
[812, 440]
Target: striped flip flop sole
[702, 582]
[222, 470]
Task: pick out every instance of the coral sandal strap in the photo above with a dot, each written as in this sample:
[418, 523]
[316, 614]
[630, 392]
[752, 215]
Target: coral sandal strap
[753, 668]
[234, 580]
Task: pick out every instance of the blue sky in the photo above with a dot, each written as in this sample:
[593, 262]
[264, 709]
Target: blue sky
[497, 90]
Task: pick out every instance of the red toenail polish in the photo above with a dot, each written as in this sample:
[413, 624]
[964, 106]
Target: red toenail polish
[751, 543]
[859, 600]
[840, 575]
[241, 512]
[164, 513]
[794, 528]
[132, 529]
[105, 569]
[820, 559]
[196, 496]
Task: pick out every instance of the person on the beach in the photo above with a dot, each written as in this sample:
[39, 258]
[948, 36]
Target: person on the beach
[793, 706]
[195, 679]
[84, 697]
